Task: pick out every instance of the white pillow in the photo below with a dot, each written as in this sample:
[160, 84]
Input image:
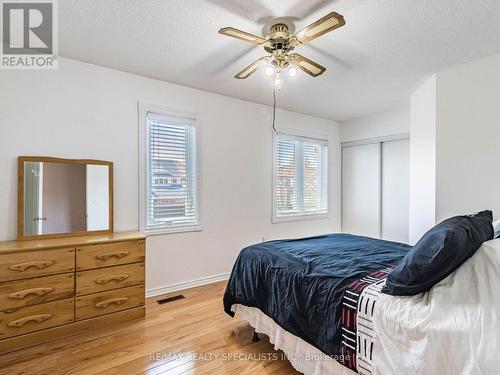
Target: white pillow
[496, 228]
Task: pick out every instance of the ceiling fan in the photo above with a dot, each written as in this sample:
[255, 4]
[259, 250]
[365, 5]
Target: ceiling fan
[280, 44]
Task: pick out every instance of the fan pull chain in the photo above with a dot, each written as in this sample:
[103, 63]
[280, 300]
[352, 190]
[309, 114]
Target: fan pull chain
[274, 109]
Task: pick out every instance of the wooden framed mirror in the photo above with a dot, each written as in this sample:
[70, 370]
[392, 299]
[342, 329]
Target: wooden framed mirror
[64, 197]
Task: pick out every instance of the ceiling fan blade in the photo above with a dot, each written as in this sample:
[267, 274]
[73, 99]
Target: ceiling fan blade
[307, 65]
[242, 35]
[322, 26]
[250, 69]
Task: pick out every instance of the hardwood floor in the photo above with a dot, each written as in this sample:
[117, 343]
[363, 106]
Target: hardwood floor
[187, 336]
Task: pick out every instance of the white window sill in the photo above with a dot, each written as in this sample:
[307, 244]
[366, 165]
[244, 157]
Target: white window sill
[172, 230]
[299, 217]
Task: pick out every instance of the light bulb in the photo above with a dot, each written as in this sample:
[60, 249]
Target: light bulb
[292, 71]
[269, 70]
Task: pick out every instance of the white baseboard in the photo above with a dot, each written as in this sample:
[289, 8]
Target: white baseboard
[186, 285]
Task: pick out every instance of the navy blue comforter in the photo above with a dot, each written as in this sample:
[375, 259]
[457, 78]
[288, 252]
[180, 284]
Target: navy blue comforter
[300, 283]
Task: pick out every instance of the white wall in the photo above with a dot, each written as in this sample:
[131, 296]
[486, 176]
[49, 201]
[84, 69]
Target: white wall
[468, 138]
[455, 135]
[423, 159]
[395, 121]
[86, 111]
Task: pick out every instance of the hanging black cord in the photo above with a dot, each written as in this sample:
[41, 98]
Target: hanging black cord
[274, 109]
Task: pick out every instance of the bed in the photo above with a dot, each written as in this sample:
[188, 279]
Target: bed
[310, 289]
[319, 300]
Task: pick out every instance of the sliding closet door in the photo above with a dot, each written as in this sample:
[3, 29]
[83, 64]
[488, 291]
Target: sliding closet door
[395, 190]
[361, 190]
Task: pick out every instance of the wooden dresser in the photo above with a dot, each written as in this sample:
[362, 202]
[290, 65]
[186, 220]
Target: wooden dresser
[51, 288]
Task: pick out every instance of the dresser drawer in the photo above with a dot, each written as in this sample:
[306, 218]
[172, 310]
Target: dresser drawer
[35, 291]
[102, 279]
[34, 318]
[36, 263]
[108, 302]
[112, 254]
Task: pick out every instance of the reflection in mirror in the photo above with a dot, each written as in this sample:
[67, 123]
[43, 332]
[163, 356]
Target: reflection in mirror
[65, 197]
[97, 197]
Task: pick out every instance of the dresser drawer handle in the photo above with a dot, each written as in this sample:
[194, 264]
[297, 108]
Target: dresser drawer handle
[23, 293]
[40, 264]
[35, 318]
[118, 254]
[107, 279]
[115, 301]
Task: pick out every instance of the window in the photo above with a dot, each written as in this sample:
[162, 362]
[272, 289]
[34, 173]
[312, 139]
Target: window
[300, 178]
[169, 155]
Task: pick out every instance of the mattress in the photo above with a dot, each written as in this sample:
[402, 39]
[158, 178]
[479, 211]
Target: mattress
[303, 356]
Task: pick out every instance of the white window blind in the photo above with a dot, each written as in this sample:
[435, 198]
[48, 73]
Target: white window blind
[172, 177]
[300, 177]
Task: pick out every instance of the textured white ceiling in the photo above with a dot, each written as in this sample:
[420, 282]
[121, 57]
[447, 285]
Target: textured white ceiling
[373, 63]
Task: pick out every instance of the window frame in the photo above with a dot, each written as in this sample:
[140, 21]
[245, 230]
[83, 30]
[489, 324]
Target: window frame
[143, 170]
[304, 137]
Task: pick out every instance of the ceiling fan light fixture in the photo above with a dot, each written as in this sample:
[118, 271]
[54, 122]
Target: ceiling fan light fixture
[280, 43]
[269, 71]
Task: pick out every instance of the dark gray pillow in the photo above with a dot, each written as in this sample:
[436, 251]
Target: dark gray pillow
[439, 252]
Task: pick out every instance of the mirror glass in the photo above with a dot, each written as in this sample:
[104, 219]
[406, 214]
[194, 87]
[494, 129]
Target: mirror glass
[65, 198]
